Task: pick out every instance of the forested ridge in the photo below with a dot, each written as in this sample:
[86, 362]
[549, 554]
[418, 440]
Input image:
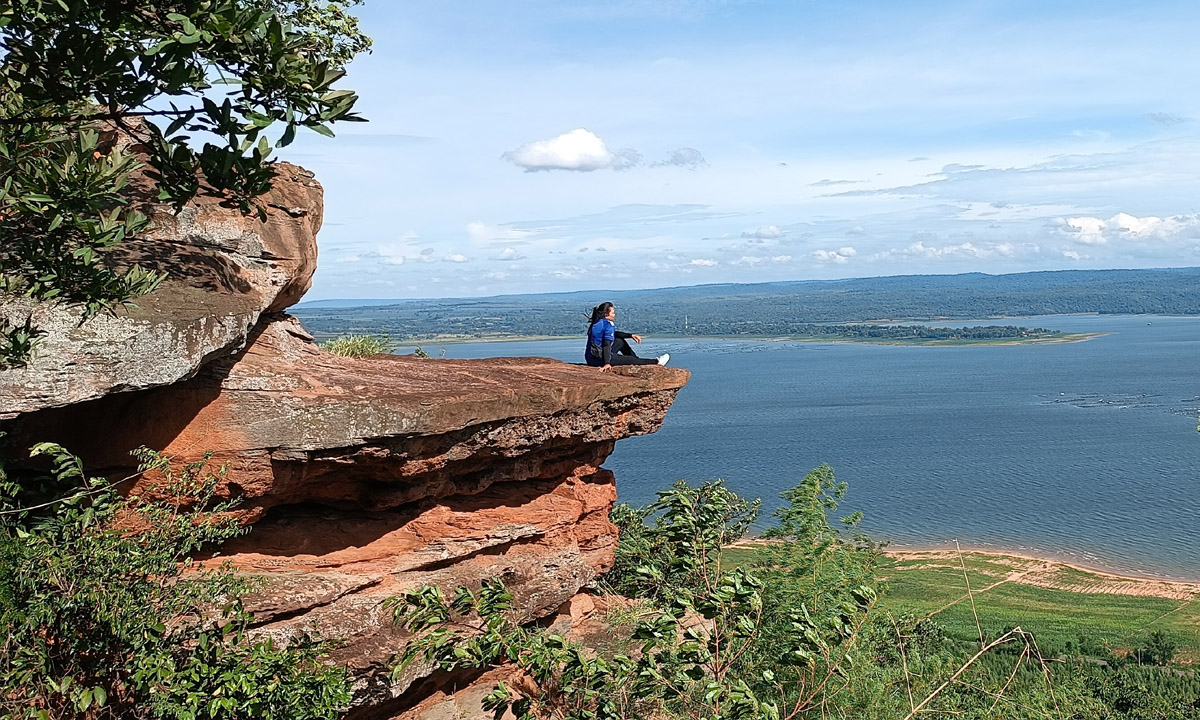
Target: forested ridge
[774, 309]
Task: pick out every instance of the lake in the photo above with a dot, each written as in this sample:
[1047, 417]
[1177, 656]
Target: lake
[1086, 452]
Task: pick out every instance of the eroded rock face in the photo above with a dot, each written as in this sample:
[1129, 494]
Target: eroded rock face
[357, 479]
[365, 478]
[224, 270]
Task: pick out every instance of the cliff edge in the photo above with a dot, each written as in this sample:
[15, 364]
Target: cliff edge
[359, 479]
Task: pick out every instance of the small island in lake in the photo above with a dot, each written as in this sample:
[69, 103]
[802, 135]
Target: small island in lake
[926, 335]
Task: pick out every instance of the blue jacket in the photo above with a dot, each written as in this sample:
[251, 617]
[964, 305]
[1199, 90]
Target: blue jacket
[599, 342]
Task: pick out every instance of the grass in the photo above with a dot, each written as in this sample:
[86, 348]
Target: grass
[1095, 621]
[1055, 616]
[359, 346]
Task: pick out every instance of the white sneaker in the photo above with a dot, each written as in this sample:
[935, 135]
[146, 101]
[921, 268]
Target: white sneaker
[662, 359]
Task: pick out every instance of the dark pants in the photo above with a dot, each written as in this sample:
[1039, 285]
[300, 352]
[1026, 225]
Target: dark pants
[623, 354]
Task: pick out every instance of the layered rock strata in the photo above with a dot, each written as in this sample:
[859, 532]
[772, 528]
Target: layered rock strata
[357, 479]
[223, 271]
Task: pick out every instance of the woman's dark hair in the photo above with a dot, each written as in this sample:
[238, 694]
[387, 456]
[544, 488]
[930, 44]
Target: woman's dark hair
[599, 312]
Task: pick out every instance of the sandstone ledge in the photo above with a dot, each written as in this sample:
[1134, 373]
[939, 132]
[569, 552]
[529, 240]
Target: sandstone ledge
[360, 479]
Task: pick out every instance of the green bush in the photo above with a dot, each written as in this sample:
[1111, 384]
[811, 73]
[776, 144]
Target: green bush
[106, 614]
[72, 72]
[781, 630]
[713, 643]
[359, 346]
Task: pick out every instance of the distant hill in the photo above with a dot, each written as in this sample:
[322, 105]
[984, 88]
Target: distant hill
[776, 308]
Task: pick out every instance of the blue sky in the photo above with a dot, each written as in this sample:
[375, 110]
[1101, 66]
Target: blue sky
[545, 145]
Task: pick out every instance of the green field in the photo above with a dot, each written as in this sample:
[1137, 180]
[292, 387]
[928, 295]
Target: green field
[1077, 610]
[1055, 616]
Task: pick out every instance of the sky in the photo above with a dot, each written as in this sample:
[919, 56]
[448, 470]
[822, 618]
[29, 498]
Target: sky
[548, 145]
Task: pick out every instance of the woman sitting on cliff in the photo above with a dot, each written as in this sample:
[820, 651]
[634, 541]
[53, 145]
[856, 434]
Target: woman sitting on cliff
[607, 346]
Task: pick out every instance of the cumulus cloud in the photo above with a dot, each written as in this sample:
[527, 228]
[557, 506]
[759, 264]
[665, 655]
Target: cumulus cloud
[926, 247]
[840, 256]
[766, 232]
[684, 157]
[704, 262]
[1124, 227]
[509, 254]
[579, 150]
[455, 258]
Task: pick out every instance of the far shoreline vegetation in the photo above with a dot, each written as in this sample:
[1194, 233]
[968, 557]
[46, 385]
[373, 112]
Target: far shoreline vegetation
[1030, 337]
[889, 310]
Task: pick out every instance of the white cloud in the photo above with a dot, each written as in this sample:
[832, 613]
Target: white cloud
[509, 253]
[579, 150]
[455, 258]
[388, 254]
[756, 260]
[966, 249]
[1087, 230]
[766, 232]
[568, 273]
[1071, 255]
[704, 262]
[1124, 227]
[840, 256]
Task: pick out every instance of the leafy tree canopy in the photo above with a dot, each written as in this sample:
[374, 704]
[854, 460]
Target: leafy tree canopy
[197, 85]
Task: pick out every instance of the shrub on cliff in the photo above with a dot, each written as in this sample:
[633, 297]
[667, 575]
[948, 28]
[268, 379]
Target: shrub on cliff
[714, 641]
[785, 629]
[71, 69]
[359, 346]
[105, 613]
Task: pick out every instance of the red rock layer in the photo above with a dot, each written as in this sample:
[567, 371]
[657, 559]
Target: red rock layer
[361, 479]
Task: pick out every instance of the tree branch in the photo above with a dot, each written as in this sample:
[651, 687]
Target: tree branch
[97, 116]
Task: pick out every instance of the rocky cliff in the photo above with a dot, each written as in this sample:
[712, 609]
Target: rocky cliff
[359, 478]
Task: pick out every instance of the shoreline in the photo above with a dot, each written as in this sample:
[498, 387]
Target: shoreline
[1008, 342]
[911, 552]
[935, 551]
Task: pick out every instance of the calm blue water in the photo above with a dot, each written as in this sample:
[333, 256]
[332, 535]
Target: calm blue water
[1084, 451]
